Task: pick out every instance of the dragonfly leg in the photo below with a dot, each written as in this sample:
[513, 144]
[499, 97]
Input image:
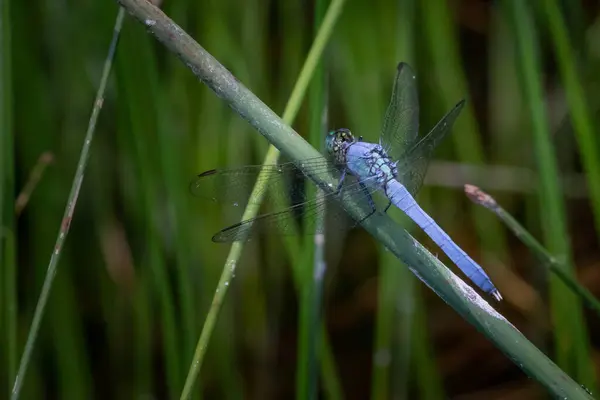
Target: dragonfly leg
[338, 189]
[390, 202]
[387, 207]
[369, 198]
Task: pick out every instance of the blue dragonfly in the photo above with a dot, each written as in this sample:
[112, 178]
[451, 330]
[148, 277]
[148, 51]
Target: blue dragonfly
[363, 170]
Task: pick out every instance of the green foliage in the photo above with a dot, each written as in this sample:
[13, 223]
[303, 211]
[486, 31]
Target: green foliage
[136, 281]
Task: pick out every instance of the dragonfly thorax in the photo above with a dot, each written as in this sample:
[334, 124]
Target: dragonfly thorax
[370, 163]
[337, 143]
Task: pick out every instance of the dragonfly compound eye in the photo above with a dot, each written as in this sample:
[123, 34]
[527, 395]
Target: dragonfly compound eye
[344, 135]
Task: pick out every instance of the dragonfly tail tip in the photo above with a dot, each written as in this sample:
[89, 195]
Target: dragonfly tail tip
[496, 295]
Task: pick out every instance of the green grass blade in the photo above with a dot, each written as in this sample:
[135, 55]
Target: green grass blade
[583, 125]
[142, 129]
[428, 378]
[313, 267]
[571, 341]
[586, 135]
[332, 386]
[396, 289]
[396, 286]
[313, 262]
[291, 109]
[441, 280]
[552, 263]
[68, 215]
[175, 178]
[451, 84]
[73, 370]
[143, 318]
[34, 179]
[8, 300]
[387, 322]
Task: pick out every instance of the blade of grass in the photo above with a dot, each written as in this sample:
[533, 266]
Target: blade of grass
[430, 270]
[141, 128]
[177, 208]
[388, 300]
[142, 304]
[572, 343]
[70, 361]
[313, 269]
[577, 101]
[451, 84]
[426, 371]
[263, 293]
[505, 107]
[354, 64]
[299, 252]
[141, 299]
[211, 150]
[361, 62]
[586, 135]
[396, 286]
[428, 376]
[555, 266]
[68, 215]
[289, 114]
[332, 387]
[34, 178]
[70, 55]
[8, 302]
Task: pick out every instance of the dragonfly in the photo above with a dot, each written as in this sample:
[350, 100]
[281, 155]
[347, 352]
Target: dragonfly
[394, 167]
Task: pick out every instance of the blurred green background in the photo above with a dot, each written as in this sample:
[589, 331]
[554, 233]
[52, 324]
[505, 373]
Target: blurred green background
[138, 270]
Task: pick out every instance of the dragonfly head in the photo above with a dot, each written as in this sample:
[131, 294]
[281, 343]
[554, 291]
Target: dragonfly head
[337, 142]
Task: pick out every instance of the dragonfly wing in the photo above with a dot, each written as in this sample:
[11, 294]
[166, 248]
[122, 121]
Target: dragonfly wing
[413, 165]
[232, 187]
[285, 222]
[401, 121]
[301, 218]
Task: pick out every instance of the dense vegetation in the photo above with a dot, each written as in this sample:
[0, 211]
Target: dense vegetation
[138, 271]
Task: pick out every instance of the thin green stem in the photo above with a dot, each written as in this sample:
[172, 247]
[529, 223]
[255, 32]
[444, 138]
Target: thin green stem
[8, 271]
[34, 178]
[10, 301]
[586, 135]
[451, 83]
[427, 375]
[426, 266]
[395, 289]
[139, 95]
[583, 125]
[478, 196]
[331, 381]
[291, 109]
[68, 214]
[571, 340]
[313, 267]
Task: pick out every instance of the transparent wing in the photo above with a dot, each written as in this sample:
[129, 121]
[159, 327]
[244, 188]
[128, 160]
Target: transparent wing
[413, 164]
[294, 221]
[401, 121]
[232, 187]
